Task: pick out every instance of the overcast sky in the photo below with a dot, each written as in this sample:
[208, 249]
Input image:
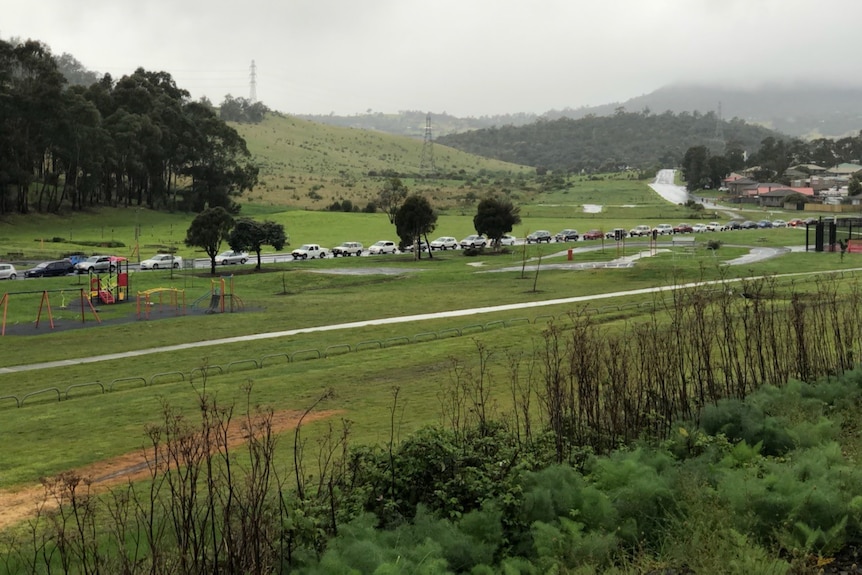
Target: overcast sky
[464, 57]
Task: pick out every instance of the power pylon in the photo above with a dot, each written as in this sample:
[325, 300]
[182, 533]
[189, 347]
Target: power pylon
[427, 163]
[252, 88]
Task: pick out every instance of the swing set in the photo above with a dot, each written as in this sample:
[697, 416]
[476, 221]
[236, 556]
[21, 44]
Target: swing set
[45, 306]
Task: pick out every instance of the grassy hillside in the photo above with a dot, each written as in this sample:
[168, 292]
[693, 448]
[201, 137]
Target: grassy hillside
[309, 165]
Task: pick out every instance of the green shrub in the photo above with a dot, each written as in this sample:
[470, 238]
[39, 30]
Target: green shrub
[741, 421]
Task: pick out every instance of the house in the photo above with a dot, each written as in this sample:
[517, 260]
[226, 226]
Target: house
[777, 197]
[844, 170]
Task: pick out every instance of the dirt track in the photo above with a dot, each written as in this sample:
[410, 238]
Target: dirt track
[21, 504]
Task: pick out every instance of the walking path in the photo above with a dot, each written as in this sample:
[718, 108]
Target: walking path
[381, 321]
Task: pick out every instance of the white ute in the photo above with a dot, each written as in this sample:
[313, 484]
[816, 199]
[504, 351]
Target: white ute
[309, 251]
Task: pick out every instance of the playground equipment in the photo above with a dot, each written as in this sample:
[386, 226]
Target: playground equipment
[221, 297]
[176, 301]
[45, 305]
[114, 288]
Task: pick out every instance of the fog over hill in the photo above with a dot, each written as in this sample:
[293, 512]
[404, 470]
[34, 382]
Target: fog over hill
[806, 111]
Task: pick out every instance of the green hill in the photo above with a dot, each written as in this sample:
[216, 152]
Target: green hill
[310, 165]
[610, 143]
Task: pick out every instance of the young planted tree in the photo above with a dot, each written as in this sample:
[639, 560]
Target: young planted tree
[413, 221]
[249, 235]
[496, 217]
[208, 230]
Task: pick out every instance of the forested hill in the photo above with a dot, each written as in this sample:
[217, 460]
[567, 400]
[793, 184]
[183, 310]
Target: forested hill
[625, 139]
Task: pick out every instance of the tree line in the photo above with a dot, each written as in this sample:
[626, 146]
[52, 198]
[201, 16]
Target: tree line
[138, 140]
[624, 140]
[703, 168]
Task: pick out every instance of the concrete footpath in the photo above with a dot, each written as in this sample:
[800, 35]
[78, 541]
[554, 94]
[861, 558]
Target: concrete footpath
[382, 321]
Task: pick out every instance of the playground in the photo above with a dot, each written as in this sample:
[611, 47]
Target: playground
[39, 312]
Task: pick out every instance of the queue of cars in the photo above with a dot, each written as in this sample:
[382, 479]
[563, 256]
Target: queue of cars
[107, 263]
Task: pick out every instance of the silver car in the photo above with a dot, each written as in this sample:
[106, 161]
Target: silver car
[96, 264]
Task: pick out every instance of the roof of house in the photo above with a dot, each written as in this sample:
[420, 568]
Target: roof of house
[785, 191]
[845, 169]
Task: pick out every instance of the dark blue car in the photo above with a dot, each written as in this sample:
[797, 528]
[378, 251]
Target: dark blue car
[51, 269]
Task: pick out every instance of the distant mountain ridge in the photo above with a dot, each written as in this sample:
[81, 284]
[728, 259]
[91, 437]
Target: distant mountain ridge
[803, 111]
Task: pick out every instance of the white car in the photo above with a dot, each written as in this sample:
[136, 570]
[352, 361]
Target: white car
[231, 257]
[444, 243]
[383, 247]
[507, 241]
[347, 249]
[640, 231]
[473, 241]
[163, 262]
[715, 227]
[309, 252]
[7, 272]
[779, 224]
[664, 229]
[699, 228]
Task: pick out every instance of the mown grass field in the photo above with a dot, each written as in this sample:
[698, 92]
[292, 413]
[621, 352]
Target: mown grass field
[47, 436]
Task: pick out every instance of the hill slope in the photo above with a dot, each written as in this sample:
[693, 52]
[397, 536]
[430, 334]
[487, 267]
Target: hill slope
[609, 143]
[306, 164]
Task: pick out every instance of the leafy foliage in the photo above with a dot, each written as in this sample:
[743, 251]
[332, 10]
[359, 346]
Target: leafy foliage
[606, 143]
[249, 235]
[496, 217]
[208, 230]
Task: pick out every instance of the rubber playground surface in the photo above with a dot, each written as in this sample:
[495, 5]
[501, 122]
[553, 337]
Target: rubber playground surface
[69, 318]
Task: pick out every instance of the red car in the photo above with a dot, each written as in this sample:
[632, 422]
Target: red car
[683, 229]
[593, 235]
[795, 222]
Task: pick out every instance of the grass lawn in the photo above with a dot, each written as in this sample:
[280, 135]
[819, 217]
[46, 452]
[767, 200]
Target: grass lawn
[292, 295]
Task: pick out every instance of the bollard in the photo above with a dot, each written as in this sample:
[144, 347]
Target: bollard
[570, 254]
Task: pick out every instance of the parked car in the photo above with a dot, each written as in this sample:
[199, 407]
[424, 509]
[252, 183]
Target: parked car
[444, 243]
[764, 224]
[383, 247]
[699, 228]
[617, 234]
[810, 221]
[507, 240]
[423, 246]
[96, 264]
[664, 229]
[473, 241]
[539, 236]
[309, 252]
[231, 257]
[748, 225]
[779, 224]
[50, 269]
[593, 235]
[345, 249]
[640, 231]
[683, 228]
[162, 261]
[733, 225]
[715, 227]
[567, 235]
[795, 223]
[7, 272]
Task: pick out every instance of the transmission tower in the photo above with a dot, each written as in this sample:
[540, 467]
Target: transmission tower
[252, 84]
[427, 163]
